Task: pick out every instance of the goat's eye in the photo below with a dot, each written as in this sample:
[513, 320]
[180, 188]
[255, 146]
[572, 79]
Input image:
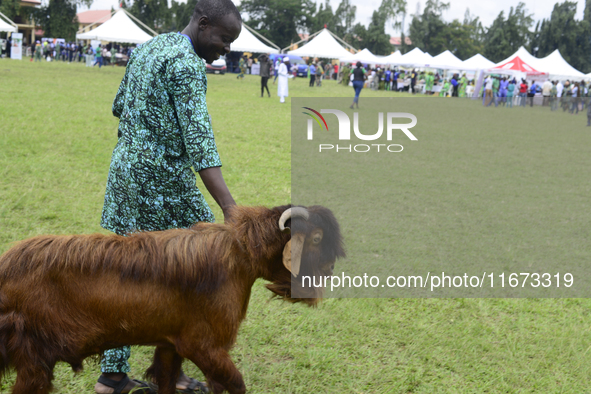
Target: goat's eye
[317, 237]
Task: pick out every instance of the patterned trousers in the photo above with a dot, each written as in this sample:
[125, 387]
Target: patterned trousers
[116, 360]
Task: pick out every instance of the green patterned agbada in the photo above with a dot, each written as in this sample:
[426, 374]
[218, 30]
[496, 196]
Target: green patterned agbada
[164, 129]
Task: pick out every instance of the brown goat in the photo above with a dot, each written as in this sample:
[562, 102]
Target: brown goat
[186, 291]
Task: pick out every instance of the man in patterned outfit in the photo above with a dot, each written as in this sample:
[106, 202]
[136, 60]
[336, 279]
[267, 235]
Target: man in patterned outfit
[164, 130]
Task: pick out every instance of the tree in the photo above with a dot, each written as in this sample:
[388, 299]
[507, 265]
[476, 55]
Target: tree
[324, 17]
[181, 14]
[58, 19]
[10, 8]
[279, 20]
[428, 30]
[569, 36]
[394, 11]
[154, 13]
[505, 36]
[345, 16]
[374, 37]
[460, 40]
[340, 22]
[475, 30]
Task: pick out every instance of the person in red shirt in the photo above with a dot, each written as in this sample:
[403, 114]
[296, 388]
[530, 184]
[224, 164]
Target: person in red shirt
[523, 92]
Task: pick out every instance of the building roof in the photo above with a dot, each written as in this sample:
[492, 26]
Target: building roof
[31, 2]
[93, 16]
[397, 40]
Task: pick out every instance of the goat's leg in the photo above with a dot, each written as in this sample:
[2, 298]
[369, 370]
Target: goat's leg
[218, 368]
[165, 369]
[33, 378]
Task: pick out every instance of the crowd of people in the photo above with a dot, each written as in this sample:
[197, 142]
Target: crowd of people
[504, 91]
[74, 52]
[317, 71]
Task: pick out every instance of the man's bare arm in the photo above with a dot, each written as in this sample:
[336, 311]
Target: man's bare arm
[216, 186]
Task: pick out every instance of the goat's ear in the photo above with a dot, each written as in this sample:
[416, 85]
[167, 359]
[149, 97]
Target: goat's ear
[292, 253]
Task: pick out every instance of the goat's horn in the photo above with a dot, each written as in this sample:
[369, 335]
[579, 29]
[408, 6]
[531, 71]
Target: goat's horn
[292, 212]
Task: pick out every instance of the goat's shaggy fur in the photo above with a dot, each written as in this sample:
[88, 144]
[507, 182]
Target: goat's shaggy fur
[64, 298]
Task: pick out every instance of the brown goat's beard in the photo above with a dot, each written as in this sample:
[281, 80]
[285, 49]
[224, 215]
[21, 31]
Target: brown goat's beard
[282, 286]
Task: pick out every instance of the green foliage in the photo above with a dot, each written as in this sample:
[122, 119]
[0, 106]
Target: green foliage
[181, 13]
[563, 32]
[58, 19]
[154, 13]
[505, 36]
[394, 11]
[461, 41]
[279, 20]
[10, 8]
[324, 17]
[374, 37]
[345, 14]
[427, 31]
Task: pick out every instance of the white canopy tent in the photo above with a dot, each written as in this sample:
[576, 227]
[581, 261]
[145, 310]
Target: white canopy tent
[10, 28]
[392, 59]
[364, 56]
[6, 27]
[524, 55]
[477, 62]
[322, 45]
[555, 65]
[416, 58]
[447, 61]
[247, 42]
[120, 28]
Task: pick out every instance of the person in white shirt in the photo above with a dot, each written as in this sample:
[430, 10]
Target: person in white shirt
[546, 88]
[488, 90]
[282, 88]
[559, 89]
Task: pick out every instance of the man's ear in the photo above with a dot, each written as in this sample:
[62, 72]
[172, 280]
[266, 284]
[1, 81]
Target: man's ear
[203, 22]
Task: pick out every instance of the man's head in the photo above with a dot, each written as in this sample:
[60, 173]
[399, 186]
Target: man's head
[215, 24]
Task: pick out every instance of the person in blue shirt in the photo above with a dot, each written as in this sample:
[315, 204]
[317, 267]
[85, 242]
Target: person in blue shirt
[387, 75]
[454, 83]
[503, 85]
[312, 71]
[532, 92]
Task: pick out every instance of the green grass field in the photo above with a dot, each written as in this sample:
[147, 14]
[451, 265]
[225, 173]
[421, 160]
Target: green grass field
[56, 138]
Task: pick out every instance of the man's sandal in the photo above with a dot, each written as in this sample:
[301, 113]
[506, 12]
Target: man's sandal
[119, 386]
[195, 387]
